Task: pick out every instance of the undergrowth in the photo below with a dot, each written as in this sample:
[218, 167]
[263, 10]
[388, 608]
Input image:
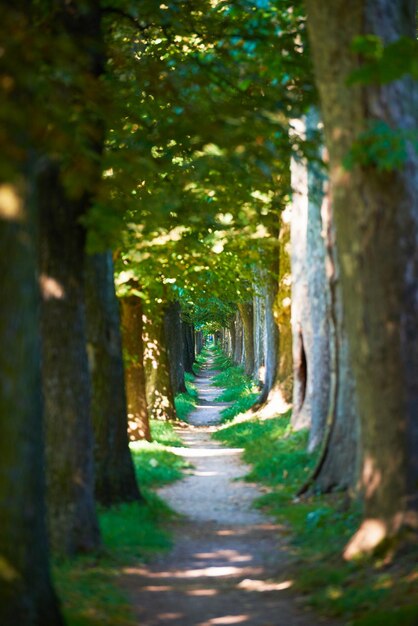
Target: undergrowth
[89, 587]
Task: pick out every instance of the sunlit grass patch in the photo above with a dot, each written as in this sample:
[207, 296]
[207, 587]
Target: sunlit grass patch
[185, 403]
[163, 432]
[154, 465]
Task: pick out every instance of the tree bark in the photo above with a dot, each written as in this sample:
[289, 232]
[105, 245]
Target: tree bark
[73, 523]
[160, 397]
[26, 594]
[135, 378]
[198, 341]
[238, 339]
[173, 331]
[247, 315]
[188, 347]
[376, 218]
[114, 476]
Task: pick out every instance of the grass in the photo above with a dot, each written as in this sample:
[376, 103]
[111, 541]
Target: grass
[239, 389]
[368, 593]
[89, 586]
[185, 403]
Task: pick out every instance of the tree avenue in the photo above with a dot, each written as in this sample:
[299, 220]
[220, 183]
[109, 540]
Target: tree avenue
[177, 175]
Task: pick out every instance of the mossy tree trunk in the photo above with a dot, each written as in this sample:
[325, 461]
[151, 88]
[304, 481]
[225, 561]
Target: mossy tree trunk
[160, 397]
[376, 223]
[174, 340]
[66, 381]
[26, 594]
[135, 378]
[114, 476]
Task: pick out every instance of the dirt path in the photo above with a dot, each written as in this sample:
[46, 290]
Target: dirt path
[228, 565]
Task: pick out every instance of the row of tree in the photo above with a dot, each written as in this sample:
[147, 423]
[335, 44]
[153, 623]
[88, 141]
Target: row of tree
[174, 137]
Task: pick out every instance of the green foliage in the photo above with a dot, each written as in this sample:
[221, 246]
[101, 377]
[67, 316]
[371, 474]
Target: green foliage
[384, 64]
[382, 147]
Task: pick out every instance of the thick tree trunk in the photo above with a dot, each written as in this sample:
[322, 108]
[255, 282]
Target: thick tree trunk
[188, 347]
[174, 340]
[338, 464]
[66, 381]
[311, 297]
[114, 476]
[160, 397]
[247, 315]
[135, 383]
[26, 594]
[376, 217]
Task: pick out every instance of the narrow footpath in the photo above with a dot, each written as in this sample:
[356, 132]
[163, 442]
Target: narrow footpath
[229, 563]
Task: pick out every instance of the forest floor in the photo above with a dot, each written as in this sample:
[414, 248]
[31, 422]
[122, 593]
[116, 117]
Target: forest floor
[230, 563]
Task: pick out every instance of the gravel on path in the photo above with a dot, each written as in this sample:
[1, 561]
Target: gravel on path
[229, 563]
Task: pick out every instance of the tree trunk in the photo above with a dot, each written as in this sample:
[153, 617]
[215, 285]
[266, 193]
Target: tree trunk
[198, 341]
[26, 594]
[259, 334]
[232, 331]
[188, 347]
[376, 218]
[115, 476]
[338, 464]
[66, 382]
[173, 330]
[238, 339]
[135, 378]
[247, 315]
[311, 297]
[160, 397]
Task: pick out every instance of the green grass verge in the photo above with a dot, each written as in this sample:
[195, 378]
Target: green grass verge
[368, 593]
[185, 403]
[89, 586]
[239, 389]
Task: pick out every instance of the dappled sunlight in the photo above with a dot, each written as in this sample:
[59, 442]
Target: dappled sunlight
[262, 585]
[207, 452]
[224, 621]
[368, 537]
[371, 477]
[11, 205]
[51, 288]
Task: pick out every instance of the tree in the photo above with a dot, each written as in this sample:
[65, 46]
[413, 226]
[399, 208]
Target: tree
[375, 211]
[133, 345]
[114, 471]
[26, 593]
